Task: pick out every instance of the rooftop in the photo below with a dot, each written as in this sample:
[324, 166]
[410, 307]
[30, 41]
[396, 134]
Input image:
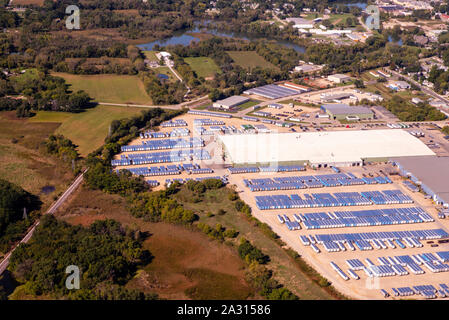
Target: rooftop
[431, 170]
[320, 147]
[232, 100]
[341, 108]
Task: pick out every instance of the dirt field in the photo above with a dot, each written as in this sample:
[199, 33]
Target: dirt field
[186, 264]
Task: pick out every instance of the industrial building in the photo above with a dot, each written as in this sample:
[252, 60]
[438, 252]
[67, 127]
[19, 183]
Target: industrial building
[337, 97]
[295, 86]
[230, 103]
[339, 78]
[322, 149]
[431, 173]
[300, 23]
[398, 85]
[272, 91]
[343, 111]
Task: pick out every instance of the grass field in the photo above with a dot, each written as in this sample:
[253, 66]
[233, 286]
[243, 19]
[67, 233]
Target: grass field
[151, 55]
[109, 88]
[87, 129]
[284, 268]
[22, 160]
[186, 263]
[250, 59]
[203, 66]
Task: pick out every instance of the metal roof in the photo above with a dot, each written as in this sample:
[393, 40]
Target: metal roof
[232, 101]
[432, 171]
[341, 108]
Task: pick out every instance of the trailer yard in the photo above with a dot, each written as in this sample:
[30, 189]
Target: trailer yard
[373, 235]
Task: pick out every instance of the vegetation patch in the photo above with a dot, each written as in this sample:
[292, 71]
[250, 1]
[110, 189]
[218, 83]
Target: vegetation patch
[203, 66]
[250, 60]
[109, 88]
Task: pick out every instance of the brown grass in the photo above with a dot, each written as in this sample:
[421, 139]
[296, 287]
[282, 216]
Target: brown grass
[24, 162]
[186, 264]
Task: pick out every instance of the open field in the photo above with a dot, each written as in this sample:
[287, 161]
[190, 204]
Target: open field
[286, 271]
[28, 2]
[250, 59]
[22, 160]
[203, 66]
[186, 264]
[109, 88]
[87, 129]
[151, 55]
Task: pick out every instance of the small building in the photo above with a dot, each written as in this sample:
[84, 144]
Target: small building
[339, 78]
[295, 86]
[300, 23]
[416, 100]
[230, 103]
[398, 85]
[275, 106]
[342, 111]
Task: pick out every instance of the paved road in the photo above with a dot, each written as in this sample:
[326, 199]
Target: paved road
[425, 89]
[172, 106]
[4, 264]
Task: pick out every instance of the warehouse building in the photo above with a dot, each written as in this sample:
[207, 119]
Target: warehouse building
[295, 86]
[343, 111]
[230, 103]
[322, 149]
[431, 173]
[339, 78]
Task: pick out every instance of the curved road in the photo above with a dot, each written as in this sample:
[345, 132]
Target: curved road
[5, 262]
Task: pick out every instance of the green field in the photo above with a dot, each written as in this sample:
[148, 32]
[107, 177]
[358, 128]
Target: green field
[86, 129]
[203, 66]
[151, 55]
[109, 88]
[250, 59]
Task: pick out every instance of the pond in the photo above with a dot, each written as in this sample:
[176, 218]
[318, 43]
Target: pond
[48, 189]
[185, 37]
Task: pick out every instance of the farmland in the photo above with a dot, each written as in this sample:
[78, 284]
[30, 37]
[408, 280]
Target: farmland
[87, 129]
[203, 66]
[250, 59]
[109, 88]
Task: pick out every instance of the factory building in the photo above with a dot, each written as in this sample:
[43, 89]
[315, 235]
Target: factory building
[431, 173]
[230, 103]
[339, 78]
[343, 112]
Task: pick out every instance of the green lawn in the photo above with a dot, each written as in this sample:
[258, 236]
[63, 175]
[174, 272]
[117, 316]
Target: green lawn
[151, 55]
[250, 59]
[109, 88]
[203, 66]
[86, 129]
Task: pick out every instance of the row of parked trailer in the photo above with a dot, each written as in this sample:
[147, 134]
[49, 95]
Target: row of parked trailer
[303, 182]
[209, 114]
[174, 123]
[410, 186]
[168, 170]
[239, 170]
[162, 157]
[371, 240]
[427, 291]
[179, 143]
[363, 218]
[177, 132]
[208, 122]
[339, 199]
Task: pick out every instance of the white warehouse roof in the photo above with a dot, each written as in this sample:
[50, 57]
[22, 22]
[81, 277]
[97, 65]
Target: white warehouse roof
[323, 147]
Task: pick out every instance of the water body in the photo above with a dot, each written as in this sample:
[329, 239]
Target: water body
[184, 38]
[48, 189]
[391, 40]
[361, 5]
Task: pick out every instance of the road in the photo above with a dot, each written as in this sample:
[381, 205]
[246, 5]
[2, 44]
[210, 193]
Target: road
[425, 89]
[172, 106]
[5, 262]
